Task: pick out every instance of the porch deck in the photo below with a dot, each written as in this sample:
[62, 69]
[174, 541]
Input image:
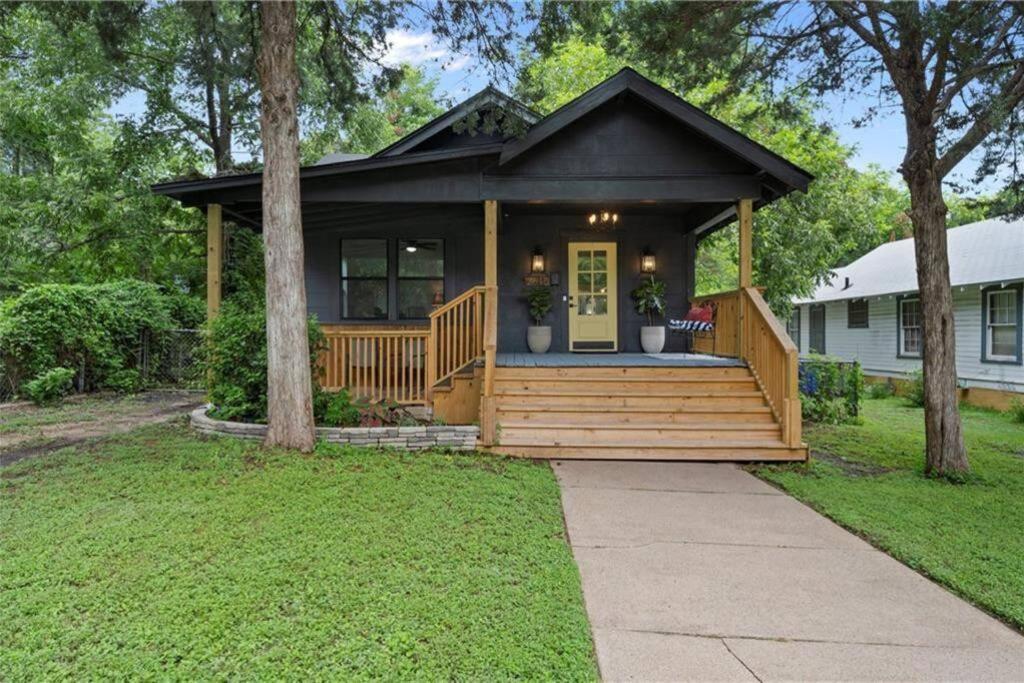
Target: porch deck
[617, 360]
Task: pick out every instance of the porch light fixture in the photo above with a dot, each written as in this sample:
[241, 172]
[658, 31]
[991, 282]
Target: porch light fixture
[603, 218]
[648, 264]
[537, 261]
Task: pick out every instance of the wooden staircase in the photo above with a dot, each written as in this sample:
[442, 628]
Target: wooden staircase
[637, 413]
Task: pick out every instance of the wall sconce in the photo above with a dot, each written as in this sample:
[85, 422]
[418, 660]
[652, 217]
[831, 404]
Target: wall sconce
[537, 261]
[648, 264]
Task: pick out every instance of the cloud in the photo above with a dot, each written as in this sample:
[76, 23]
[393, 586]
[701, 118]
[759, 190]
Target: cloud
[407, 47]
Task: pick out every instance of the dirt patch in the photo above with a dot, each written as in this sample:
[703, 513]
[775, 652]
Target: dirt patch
[34, 431]
[851, 468]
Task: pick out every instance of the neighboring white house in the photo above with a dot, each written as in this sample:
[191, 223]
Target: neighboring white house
[870, 310]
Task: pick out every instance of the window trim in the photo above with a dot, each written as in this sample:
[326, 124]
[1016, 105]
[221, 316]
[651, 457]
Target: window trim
[824, 329]
[986, 293]
[795, 315]
[900, 353]
[343, 278]
[867, 315]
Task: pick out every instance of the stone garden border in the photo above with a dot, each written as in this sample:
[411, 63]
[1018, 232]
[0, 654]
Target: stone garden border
[456, 437]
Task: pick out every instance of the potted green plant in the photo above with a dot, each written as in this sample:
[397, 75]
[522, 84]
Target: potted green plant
[538, 336]
[649, 298]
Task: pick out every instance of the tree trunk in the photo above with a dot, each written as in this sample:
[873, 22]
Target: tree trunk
[289, 396]
[944, 442]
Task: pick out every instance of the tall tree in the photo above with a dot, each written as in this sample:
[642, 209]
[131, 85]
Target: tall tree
[289, 399]
[956, 71]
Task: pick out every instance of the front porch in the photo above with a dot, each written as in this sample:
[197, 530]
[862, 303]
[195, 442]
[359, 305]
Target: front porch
[614, 360]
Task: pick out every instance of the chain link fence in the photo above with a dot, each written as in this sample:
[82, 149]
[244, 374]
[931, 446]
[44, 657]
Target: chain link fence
[173, 360]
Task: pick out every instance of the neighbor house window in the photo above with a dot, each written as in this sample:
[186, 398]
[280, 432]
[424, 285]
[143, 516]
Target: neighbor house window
[420, 277]
[364, 279]
[910, 341]
[816, 340]
[793, 326]
[857, 314]
[1001, 319]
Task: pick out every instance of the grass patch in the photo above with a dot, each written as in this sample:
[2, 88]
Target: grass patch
[967, 536]
[158, 554]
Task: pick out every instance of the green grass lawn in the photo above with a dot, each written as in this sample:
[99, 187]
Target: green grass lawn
[158, 554]
[969, 537]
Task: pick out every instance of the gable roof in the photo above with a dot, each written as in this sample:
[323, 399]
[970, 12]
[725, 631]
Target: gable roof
[485, 99]
[990, 251]
[628, 80]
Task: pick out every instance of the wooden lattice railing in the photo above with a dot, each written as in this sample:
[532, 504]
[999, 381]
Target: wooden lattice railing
[377, 363]
[773, 358]
[456, 335]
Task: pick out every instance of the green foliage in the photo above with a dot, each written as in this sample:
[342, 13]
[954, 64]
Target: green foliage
[539, 299]
[877, 390]
[914, 391]
[350, 563]
[124, 381]
[94, 329]
[649, 298]
[830, 389]
[336, 409]
[50, 386]
[870, 478]
[235, 360]
[1017, 410]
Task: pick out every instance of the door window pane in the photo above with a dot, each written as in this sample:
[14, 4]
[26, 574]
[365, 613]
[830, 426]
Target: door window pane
[601, 283]
[583, 282]
[583, 261]
[600, 260]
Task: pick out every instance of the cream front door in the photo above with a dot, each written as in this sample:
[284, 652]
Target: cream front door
[593, 304]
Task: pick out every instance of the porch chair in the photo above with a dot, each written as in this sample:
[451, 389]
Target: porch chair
[699, 323]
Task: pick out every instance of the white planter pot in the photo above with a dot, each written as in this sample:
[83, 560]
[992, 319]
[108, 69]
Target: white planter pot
[538, 338]
[652, 339]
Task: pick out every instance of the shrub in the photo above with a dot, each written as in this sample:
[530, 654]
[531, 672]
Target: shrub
[336, 410]
[125, 381]
[830, 389]
[94, 330]
[50, 386]
[1017, 410]
[235, 360]
[539, 299]
[914, 393]
[879, 390]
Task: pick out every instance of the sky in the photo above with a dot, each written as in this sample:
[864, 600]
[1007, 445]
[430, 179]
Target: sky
[882, 142]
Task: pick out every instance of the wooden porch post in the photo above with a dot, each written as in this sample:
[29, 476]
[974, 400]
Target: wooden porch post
[745, 214]
[488, 428]
[214, 259]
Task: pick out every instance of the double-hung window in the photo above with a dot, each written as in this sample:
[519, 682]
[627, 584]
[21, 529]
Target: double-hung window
[391, 279]
[1002, 318]
[857, 314]
[793, 326]
[364, 279]
[910, 335]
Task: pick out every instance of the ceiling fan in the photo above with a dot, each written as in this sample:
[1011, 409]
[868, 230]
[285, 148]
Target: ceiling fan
[412, 246]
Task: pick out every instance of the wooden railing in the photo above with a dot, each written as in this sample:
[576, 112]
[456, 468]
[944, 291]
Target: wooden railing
[725, 340]
[456, 335]
[773, 358]
[377, 363]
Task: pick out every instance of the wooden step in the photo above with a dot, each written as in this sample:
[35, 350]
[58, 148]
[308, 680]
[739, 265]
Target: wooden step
[732, 452]
[632, 385]
[636, 434]
[510, 400]
[618, 372]
[568, 413]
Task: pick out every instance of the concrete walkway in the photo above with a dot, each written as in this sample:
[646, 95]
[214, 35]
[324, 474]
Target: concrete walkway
[703, 572]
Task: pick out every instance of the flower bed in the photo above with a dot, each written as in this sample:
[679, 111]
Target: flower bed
[456, 437]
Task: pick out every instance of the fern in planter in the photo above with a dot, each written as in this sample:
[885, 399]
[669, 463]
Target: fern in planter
[649, 298]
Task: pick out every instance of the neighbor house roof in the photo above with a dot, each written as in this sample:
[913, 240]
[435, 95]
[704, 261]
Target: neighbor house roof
[990, 251]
